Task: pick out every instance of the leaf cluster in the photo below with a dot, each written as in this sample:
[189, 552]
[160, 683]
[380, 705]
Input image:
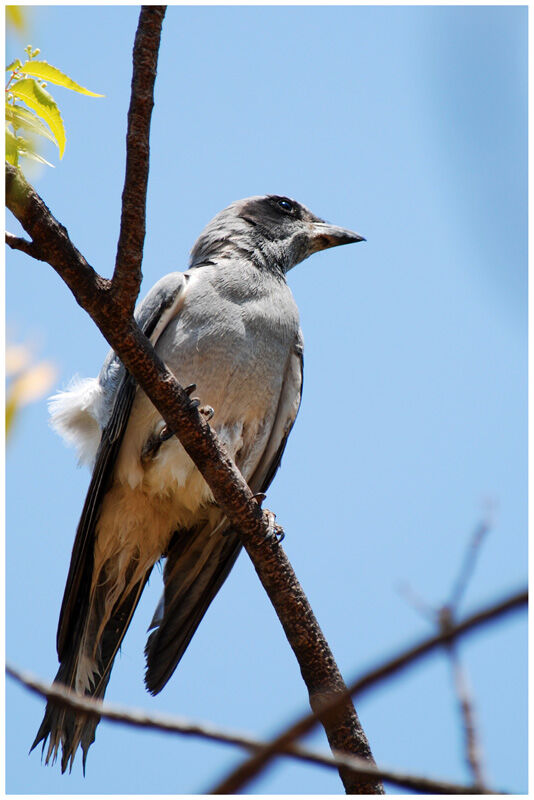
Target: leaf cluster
[40, 116]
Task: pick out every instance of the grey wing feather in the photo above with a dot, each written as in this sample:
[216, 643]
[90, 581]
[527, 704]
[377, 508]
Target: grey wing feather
[286, 415]
[198, 563]
[152, 315]
[82, 611]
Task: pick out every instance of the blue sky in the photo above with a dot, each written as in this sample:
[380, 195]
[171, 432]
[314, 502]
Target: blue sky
[407, 124]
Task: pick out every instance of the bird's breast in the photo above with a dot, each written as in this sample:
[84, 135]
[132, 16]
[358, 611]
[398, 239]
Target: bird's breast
[235, 348]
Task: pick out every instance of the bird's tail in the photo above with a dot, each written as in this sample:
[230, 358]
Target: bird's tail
[198, 562]
[85, 667]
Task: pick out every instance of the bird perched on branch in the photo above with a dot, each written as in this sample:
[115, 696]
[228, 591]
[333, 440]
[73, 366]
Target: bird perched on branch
[230, 327]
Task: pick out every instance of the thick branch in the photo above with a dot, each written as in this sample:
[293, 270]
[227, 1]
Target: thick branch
[127, 275]
[137, 718]
[246, 771]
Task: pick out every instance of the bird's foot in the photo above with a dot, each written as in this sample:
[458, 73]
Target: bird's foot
[189, 391]
[259, 497]
[207, 412]
[152, 445]
[274, 530]
[165, 434]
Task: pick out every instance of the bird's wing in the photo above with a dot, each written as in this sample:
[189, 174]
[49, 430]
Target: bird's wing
[161, 304]
[286, 415]
[198, 561]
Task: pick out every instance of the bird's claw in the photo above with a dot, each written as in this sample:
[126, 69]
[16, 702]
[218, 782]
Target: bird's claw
[152, 445]
[274, 530]
[279, 533]
[259, 497]
[165, 434]
[207, 412]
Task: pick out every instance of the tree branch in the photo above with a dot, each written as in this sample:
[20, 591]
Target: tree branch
[51, 240]
[473, 749]
[127, 276]
[19, 243]
[96, 296]
[62, 696]
[469, 561]
[246, 771]
[444, 617]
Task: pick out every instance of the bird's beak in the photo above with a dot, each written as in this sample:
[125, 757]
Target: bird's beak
[324, 235]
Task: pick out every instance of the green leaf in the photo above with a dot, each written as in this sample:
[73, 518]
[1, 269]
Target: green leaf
[41, 69]
[20, 117]
[44, 105]
[12, 150]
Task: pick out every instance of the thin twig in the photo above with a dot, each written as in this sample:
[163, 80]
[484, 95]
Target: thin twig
[470, 558]
[245, 772]
[127, 276]
[444, 617]
[447, 616]
[473, 750]
[417, 602]
[138, 718]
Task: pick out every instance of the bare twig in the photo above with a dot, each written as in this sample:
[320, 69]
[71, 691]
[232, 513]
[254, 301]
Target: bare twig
[473, 750]
[174, 724]
[444, 617]
[417, 602]
[460, 585]
[96, 295]
[468, 564]
[245, 772]
[447, 616]
[127, 276]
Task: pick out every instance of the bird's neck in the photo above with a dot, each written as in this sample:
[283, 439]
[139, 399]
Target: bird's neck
[261, 254]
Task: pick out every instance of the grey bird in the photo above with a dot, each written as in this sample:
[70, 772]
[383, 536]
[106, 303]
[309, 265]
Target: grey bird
[230, 326]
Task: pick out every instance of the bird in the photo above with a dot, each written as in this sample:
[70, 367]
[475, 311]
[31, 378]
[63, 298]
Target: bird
[228, 329]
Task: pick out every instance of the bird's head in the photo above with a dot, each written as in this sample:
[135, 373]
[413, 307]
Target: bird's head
[273, 231]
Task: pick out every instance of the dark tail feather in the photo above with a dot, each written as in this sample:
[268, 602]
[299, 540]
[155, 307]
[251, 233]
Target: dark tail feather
[197, 566]
[63, 726]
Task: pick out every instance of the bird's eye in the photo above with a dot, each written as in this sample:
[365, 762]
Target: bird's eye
[286, 205]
